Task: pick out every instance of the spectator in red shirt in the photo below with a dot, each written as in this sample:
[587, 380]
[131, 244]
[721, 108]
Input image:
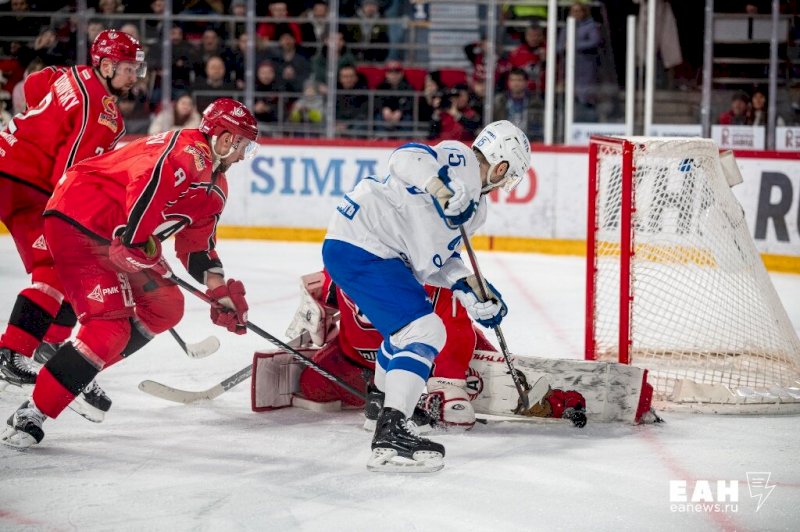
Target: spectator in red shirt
[739, 112]
[530, 56]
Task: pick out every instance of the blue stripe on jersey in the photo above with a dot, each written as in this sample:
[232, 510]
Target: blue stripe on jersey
[418, 348]
[411, 365]
[425, 147]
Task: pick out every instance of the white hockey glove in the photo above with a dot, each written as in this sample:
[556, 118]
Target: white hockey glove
[318, 321]
[451, 198]
[489, 312]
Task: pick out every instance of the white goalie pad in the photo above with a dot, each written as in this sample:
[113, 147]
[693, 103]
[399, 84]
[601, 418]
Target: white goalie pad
[275, 379]
[613, 392]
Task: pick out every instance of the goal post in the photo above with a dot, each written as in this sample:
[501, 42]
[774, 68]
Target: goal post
[674, 283]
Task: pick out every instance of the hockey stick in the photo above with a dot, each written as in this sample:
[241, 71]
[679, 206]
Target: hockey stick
[177, 395]
[523, 396]
[271, 339]
[200, 349]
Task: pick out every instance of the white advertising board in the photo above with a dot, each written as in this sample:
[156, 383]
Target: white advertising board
[738, 137]
[787, 138]
[299, 186]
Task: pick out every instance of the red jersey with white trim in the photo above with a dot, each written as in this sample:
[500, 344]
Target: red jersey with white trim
[37, 85]
[76, 118]
[158, 185]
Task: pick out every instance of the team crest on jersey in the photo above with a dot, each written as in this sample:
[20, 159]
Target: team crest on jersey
[40, 243]
[108, 117]
[201, 154]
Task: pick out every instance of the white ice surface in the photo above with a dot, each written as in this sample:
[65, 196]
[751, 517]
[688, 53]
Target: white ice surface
[154, 465]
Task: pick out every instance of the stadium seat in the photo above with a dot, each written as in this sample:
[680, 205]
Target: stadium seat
[373, 75]
[452, 76]
[416, 77]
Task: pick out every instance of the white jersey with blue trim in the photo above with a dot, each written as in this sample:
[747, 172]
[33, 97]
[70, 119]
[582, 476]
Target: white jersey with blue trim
[394, 217]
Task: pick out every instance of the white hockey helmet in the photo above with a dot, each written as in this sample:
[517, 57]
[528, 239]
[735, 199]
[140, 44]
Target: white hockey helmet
[503, 141]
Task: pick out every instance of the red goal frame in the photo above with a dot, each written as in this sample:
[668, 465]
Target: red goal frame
[626, 148]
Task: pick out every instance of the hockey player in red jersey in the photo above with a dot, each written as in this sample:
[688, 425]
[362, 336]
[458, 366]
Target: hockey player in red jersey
[72, 115]
[104, 225]
[353, 350]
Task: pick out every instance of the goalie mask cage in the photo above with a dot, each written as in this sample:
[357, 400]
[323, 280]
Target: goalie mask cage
[675, 284]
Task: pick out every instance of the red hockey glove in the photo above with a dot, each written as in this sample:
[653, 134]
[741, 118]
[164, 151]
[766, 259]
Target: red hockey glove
[134, 259]
[231, 308]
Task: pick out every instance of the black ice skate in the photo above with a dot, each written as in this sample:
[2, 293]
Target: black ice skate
[397, 448]
[92, 403]
[24, 427]
[16, 369]
[45, 352]
[372, 409]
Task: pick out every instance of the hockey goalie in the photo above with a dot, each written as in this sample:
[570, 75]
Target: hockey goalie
[469, 376]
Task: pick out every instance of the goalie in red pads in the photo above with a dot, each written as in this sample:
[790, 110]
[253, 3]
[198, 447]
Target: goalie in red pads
[348, 351]
[104, 226]
[351, 353]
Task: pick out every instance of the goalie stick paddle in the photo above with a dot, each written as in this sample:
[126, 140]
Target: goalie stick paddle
[200, 349]
[523, 396]
[272, 339]
[177, 395]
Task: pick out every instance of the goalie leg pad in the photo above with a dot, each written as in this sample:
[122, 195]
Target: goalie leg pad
[317, 388]
[611, 391]
[275, 378]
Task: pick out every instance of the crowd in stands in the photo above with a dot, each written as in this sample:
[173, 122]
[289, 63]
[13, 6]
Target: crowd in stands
[378, 94]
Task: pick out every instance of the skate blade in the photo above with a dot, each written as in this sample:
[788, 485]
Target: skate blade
[387, 461]
[16, 439]
[369, 425]
[84, 409]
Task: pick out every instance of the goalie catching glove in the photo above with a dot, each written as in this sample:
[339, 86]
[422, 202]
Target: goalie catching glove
[230, 310]
[488, 312]
[132, 259]
[451, 198]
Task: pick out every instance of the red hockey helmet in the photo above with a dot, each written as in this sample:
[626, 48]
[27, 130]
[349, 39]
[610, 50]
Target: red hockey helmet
[118, 46]
[226, 114]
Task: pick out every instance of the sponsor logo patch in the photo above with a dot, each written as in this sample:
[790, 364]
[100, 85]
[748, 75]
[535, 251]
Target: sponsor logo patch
[40, 243]
[98, 293]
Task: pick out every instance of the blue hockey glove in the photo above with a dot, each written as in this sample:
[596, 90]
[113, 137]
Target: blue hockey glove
[488, 312]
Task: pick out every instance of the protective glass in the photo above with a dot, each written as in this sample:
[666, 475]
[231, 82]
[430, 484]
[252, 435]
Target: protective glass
[245, 146]
[126, 68]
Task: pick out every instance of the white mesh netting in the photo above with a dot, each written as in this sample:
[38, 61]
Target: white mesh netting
[704, 308]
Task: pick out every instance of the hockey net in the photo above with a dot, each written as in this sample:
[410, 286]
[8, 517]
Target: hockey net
[675, 284]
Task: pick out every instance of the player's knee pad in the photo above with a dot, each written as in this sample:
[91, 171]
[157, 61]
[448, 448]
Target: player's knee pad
[160, 309]
[102, 341]
[414, 347]
[427, 330]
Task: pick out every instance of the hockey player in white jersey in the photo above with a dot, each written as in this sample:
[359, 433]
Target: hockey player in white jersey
[391, 235]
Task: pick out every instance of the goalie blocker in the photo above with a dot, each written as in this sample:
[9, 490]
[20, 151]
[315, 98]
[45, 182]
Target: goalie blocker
[612, 392]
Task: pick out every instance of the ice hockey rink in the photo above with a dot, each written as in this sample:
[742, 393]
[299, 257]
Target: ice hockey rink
[216, 465]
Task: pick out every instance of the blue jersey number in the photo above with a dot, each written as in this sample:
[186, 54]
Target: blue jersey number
[456, 159]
